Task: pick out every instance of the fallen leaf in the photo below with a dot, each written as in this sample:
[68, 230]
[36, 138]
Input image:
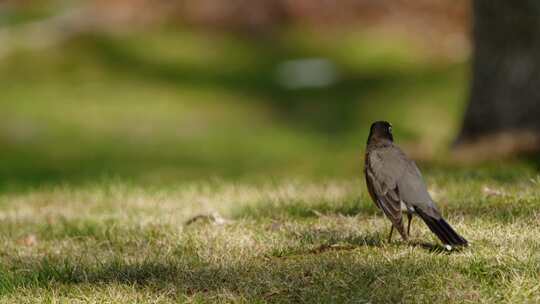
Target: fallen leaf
[29, 240]
[492, 192]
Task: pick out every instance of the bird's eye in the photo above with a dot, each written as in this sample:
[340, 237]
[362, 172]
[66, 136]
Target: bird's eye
[390, 129]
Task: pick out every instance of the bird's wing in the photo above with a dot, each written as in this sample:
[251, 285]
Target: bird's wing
[396, 172]
[383, 186]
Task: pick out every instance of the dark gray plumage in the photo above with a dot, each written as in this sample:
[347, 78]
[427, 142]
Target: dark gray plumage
[395, 184]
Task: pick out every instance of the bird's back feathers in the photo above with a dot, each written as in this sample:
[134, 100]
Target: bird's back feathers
[392, 170]
[393, 179]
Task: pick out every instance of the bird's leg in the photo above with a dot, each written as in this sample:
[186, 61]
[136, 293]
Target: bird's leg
[409, 217]
[390, 236]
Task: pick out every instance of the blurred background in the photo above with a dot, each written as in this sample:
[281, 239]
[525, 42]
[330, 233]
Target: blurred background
[165, 91]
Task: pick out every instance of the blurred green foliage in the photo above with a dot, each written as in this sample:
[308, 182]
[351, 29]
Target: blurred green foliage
[173, 105]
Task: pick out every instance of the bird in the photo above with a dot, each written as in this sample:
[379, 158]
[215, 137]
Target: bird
[395, 185]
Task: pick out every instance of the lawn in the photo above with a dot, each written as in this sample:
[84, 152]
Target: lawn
[286, 241]
[172, 167]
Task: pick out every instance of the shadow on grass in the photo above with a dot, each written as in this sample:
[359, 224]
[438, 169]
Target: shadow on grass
[24, 168]
[313, 279]
[336, 240]
[314, 242]
[328, 110]
[436, 248]
[317, 241]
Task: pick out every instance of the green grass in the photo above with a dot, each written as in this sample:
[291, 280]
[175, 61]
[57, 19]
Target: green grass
[288, 241]
[131, 107]
[110, 144]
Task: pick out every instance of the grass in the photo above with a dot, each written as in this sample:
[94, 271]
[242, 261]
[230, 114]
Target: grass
[110, 144]
[290, 241]
[129, 107]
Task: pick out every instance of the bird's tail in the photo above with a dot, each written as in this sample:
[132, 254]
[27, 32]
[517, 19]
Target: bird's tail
[442, 230]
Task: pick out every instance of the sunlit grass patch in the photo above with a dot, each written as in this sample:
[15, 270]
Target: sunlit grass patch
[280, 242]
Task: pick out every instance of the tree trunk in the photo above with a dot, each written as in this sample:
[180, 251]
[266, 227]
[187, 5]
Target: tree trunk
[504, 104]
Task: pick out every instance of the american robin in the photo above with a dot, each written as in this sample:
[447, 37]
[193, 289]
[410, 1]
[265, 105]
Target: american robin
[395, 184]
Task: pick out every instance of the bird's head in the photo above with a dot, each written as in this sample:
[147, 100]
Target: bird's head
[380, 131]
